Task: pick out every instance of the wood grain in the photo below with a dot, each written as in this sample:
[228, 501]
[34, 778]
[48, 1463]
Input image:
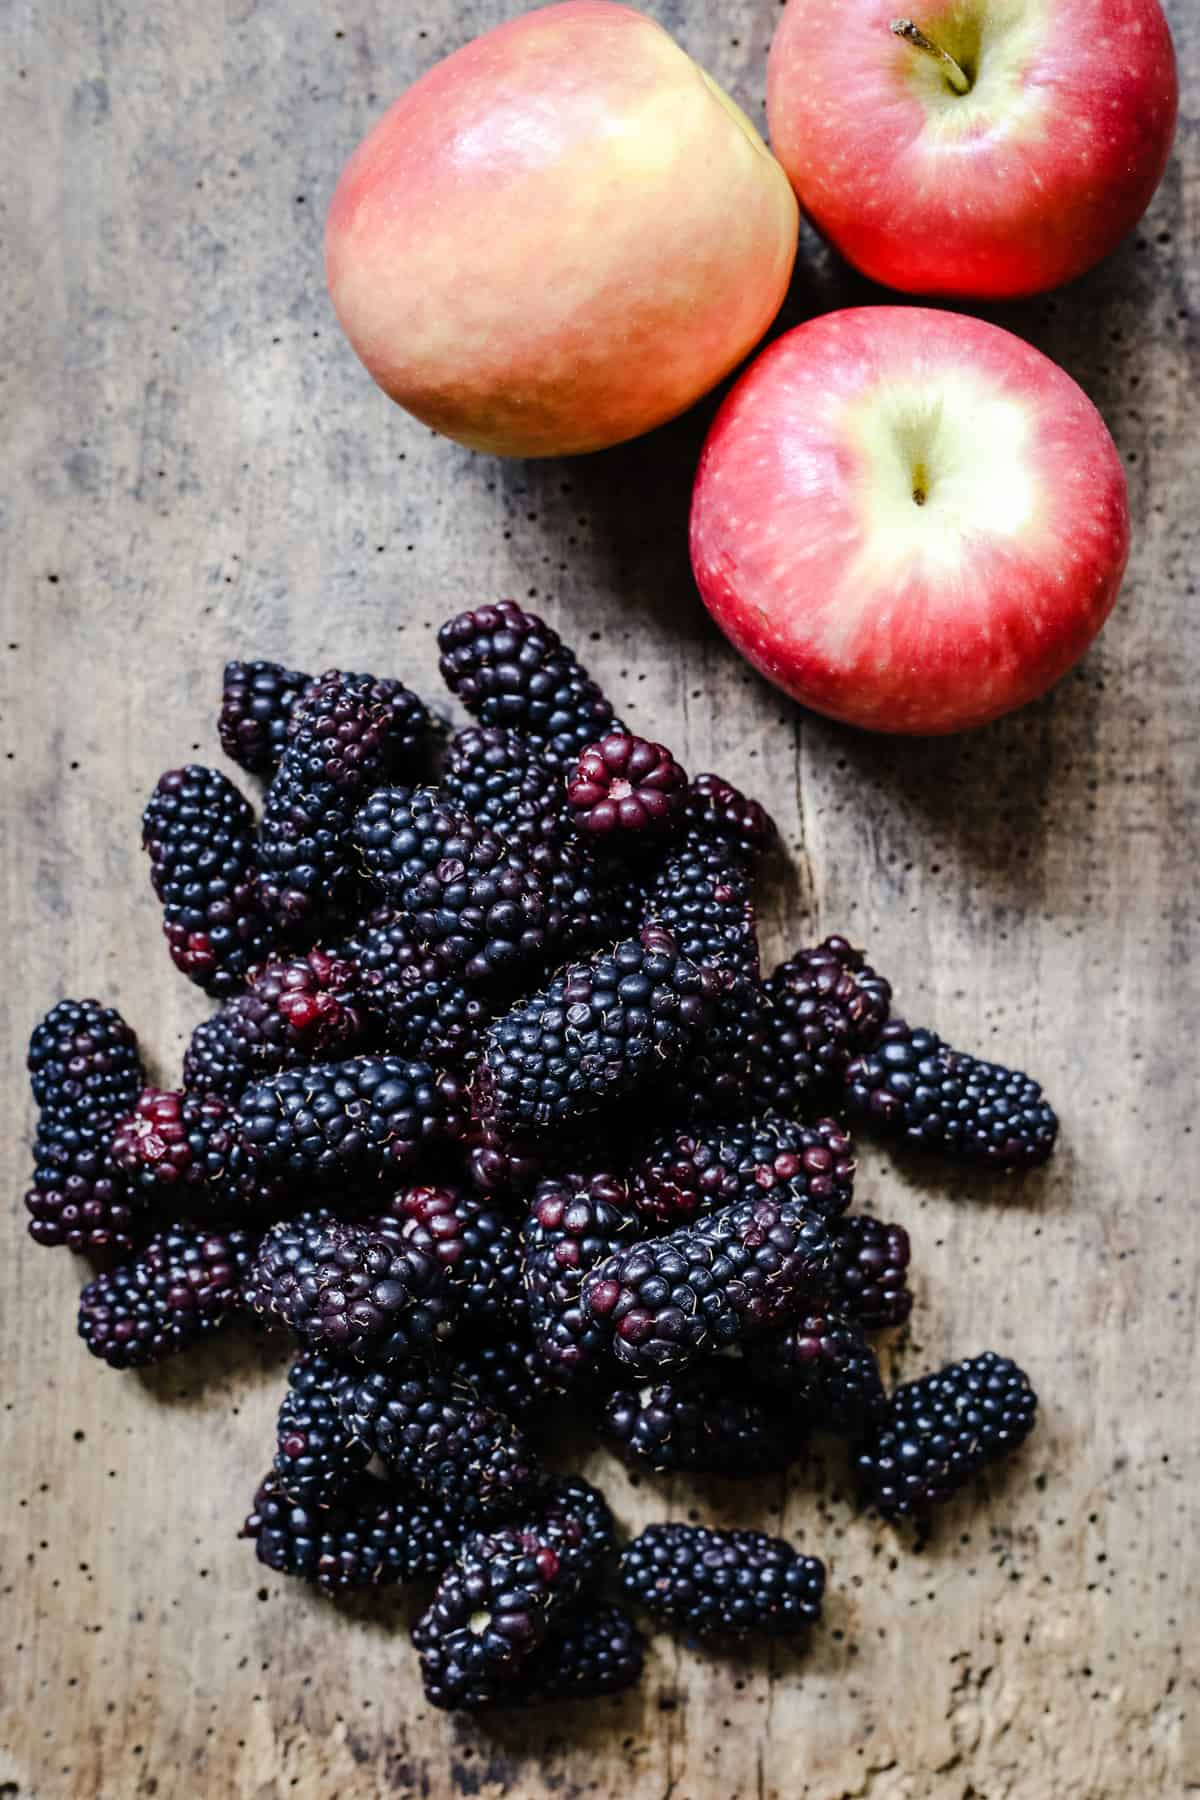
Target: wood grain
[195, 467]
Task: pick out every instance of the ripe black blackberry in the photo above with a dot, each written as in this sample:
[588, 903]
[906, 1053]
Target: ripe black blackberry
[939, 1431]
[666, 1301]
[182, 1285]
[868, 1281]
[714, 808]
[600, 1030]
[596, 1649]
[417, 1009]
[729, 1584]
[433, 1429]
[349, 733]
[574, 1220]
[716, 1080]
[476, 1246]
[700, 893]
[685, 1173]
[198, 832]
[914, 1087]
[509, 668]
[705, 1420]
[83, 1060]
[475, 900]
[502, 780]
[293, 1010]
[79, 1197]
[624, 789]
[825, 1368]
[506, 1372]
[184, 1150]
[367, 1535]
[334, 1122]
[501, 1164]
[316, 1455]
[357, 1291]
[256, 704]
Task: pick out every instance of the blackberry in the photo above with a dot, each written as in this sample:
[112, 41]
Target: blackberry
[83, 1061]
[292, 1011]
[600, 1030]
[256, 704]
[704, 1420]
[499, 1164]
[475, 900]
[476, 1246]
[356, 1291]
[198, 832]
[729, 1584]
[694, 1171]
[503, 781]
[316, 1455]
[574, 1221]
[868, 1280]
[940, 1430]
[433, 1429]
[182, 1285]
[914, 1087]
[826, 1369]
[666, 1301]
[79, 1196]
[625, 787]
[185, 1149]
[368, 1535]
[506, 1372]
[595, 1650]
[716, 1080]
[509, 668]
[418, 1009]
[823, 1007]
[331, 1122]
[714, 808]
[349, 733]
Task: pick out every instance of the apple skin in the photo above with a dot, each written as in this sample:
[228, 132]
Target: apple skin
[1018, 186]
[560, 236]
[908, 519]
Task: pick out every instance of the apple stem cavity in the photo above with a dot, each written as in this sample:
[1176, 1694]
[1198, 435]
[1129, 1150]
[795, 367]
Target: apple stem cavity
[912, 34]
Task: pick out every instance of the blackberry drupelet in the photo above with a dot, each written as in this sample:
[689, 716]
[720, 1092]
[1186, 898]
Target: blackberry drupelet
[574, 1220]
[198, 832]
[685, 1173]
[714, 808]
[477, 1247]
[316, 1455]
[332, 1122]
[349, 733]
[625, 789]
[940, 1430]
[825, 1368]
[368, 1535]
[417, 1009]
[511, 669]
[824, 1006]
[79, 1196]
[728, 1584]
[83, 1061]
[434, 1429]
[292, 1011]
[666, 1301]
[596, 1649]
[475, 900]
[182, 1285]
[869, 1277]
[256, 705]
[184, 1150]
[602, 1029]
[705, 1420]
[914, 1087]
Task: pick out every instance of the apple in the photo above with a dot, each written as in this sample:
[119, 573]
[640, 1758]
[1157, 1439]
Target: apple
[560, 236]
[984, 148]
[908, 519]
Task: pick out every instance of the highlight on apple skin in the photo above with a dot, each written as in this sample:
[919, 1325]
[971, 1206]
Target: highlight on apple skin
[908, 519]
[982, 149]
[561, 236]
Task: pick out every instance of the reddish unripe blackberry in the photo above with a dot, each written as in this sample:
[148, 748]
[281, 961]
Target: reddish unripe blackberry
[476, 1246]
[182, 1285]
[316, 1455]
[596, 1649]
[685, 1173]
[293, 1011]
[509, 668]
[79, 1196]
[914, 1087]
[823, 1006]
[714, 808]
[416, 1007]
[824, 1367]
[256, 705]
[184, 1150]
[704, 1420]
[574, 1220]
[725, 1584]
[625, 788]
[198, 832]
[83, 1061]
[868, 1280]
[367, 1535]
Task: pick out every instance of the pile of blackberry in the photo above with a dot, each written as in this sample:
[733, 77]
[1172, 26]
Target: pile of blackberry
[500, 1117]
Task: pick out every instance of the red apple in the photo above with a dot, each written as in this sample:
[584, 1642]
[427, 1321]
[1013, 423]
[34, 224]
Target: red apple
[992, 148]
[909, 519]
[561, 236]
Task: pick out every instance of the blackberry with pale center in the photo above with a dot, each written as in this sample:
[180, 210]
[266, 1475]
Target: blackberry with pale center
[724, 1584]
[184, 1284]
[624, 789]
[256, 707]
[368, 1535]
[574, 1220]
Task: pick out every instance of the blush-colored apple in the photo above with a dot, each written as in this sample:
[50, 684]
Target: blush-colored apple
[560, 236]
[982, 148]
[908, 519]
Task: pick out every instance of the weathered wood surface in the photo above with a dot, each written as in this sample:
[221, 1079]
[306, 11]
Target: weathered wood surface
[194, 467]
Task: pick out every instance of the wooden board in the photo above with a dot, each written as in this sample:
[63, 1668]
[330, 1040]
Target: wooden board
[196, 467]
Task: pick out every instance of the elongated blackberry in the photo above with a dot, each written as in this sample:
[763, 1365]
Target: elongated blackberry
[824, 1367]
[600, 1030]
[434, 1429]
[696, 1170]
[182, 1285]
[730, 1584]
[84, 1061]
[367, 1535]
[477, 1247]
[198, 832]
[716, 1081]
[714, 808]
[79, 1197]
[914, 1087]
[502, 780]
[256, 704]
[509, 668]
[868, 1281]
[417, 1009]
[625, 788]
[705, 1420]
[823, 1006]
[349, 733]
[292, 1011]
[666, 1301]
[183, 1151]
[316, 1454]
[940, 1430]
[333, 1122]
[574, 1220]
[359, 1292]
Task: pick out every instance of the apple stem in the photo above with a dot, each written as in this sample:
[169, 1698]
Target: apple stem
[912, 34]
